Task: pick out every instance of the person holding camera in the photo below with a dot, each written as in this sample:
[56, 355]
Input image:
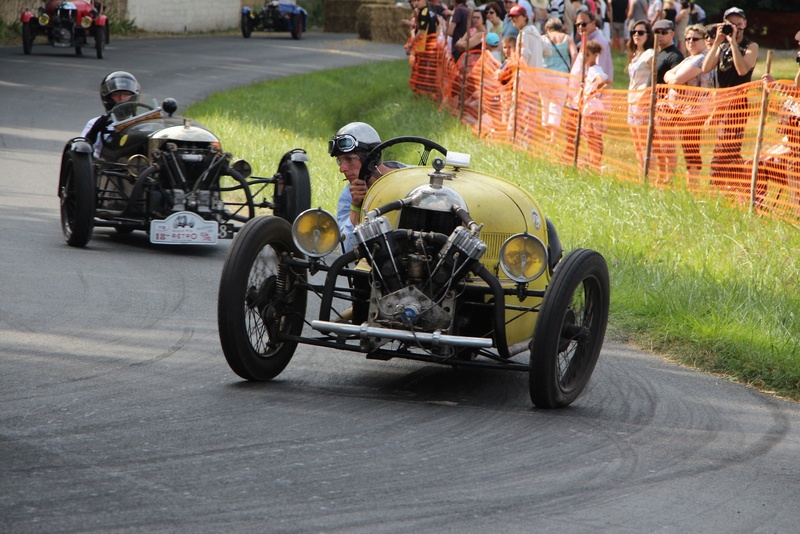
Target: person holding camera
[734, 57]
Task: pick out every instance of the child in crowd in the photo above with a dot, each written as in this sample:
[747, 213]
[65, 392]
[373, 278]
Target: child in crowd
[593, 108]
[493, 46]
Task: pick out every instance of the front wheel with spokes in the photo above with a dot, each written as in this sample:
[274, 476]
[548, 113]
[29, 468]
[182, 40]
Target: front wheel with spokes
[570, 329]
[261, 299]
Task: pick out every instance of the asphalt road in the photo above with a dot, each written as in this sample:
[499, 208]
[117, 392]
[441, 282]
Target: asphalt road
[118, 412]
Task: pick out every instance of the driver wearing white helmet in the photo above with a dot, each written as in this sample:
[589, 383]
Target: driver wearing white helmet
[350, 147]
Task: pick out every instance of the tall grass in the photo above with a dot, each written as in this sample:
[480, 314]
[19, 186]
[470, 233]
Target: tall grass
[694, 279]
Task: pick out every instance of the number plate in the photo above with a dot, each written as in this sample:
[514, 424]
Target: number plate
[184, 228]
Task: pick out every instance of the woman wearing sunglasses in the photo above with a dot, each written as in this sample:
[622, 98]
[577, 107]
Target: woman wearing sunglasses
[640, 61]
[685, 103]
[494, 21]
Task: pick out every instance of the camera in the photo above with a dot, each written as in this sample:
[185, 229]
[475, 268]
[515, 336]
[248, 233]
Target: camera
[686, 3]
[727, 29]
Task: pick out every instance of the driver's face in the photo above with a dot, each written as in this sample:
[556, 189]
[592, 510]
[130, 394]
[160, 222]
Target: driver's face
[121, 96]
[349, 165]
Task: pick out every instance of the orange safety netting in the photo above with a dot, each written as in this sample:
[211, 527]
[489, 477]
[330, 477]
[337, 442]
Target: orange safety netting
[706, 140]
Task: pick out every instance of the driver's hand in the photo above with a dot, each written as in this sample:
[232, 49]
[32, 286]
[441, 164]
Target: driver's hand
[358, 190]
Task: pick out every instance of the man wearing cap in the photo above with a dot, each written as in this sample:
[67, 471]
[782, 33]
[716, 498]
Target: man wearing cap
[734, 56]
[669, 55]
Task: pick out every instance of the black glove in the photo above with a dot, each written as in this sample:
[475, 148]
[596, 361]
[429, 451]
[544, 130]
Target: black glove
[98, 126]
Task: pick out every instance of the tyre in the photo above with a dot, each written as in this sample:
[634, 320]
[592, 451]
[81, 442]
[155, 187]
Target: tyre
[77, 194]
[260, 299]
[297, 26]
[27, 38]
[246, 28]
[296, 195]
[100, 42]
[569, 330]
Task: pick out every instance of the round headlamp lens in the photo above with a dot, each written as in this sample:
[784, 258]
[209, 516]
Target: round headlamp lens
[315, 232]
[523, 258]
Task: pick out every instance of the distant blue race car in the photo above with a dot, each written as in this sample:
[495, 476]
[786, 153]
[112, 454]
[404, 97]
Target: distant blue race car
[275, 16]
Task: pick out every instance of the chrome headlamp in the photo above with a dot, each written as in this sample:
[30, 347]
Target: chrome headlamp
[86, 22]
[315, 232]
[523, 257]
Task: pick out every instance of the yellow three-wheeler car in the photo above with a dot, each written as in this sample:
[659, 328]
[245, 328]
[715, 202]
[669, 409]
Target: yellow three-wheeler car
[452, 266]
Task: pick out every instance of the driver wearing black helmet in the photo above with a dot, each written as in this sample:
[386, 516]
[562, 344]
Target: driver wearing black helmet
[119, 86]
[350, 147]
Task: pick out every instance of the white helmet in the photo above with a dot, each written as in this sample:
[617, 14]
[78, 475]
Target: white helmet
[354, 136]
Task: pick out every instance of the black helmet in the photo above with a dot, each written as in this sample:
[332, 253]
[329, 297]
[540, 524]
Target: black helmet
[358, 136]
[115, 82]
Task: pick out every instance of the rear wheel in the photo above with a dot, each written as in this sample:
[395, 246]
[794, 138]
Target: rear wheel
[27, 38]
[297, 26]
[260, 298]
[570, 329]
[77, 198]
[246, 28]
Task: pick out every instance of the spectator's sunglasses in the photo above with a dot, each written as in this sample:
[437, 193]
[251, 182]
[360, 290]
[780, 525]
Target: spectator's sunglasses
[639, 32]
[343, 143]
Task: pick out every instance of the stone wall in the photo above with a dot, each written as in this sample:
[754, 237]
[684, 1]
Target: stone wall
[176, 16]
[172, 16]
[377, 20]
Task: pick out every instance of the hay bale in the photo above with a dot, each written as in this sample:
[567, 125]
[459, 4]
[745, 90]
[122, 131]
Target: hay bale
[341, 16]
[383, 23]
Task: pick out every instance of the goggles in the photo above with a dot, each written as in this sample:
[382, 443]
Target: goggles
[342, 144]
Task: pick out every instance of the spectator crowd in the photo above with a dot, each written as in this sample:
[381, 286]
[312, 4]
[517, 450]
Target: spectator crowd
[673, 53]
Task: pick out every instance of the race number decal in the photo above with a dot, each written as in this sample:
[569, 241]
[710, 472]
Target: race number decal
[184, 228]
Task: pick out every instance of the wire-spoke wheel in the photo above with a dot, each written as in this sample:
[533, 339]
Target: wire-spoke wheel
[570, 329]
[261, 299]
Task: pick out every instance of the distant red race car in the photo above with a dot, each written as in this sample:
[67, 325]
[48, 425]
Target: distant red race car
[66, 24]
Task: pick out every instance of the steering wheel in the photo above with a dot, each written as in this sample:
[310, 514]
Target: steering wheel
[371, 161]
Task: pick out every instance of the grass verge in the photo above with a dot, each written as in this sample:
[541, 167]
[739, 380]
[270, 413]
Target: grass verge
[694, 279]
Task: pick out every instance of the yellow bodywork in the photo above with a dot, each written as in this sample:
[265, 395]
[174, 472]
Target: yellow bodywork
[503, 208]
